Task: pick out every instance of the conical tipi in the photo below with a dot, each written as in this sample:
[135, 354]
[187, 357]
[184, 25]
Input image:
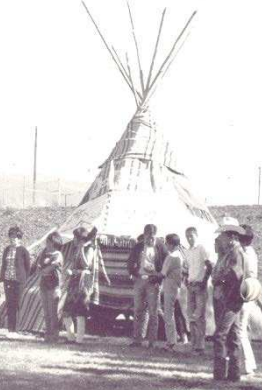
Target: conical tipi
[139, 182]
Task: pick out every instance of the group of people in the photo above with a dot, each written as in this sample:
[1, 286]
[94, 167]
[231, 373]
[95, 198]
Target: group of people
[158, 270]
[155, 266]
[81, 279]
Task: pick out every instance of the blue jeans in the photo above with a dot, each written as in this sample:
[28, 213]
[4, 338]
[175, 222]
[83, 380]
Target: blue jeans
[146, 295]
[227, 346]
[171, 291]
[248, 354]
[196, 310]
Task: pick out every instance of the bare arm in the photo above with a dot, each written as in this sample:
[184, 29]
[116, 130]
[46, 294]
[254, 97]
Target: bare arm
[165, 267]
[102, 266]
[185, 271]
[88, 257]
[208, 271]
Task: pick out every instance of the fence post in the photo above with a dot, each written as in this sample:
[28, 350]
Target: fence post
[24, 193]
[59, 193]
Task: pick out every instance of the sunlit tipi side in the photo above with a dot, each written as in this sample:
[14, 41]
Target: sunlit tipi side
[139, 182]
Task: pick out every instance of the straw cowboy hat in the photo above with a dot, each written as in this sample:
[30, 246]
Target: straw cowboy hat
[230, 224]
[250, 289]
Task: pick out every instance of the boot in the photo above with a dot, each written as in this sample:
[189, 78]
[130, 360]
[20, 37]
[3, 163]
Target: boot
[233, 369]
[80, 326]
[220, 368]
[70, 328]
[192, 327]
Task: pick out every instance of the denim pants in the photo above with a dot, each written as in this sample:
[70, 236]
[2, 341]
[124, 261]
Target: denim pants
[249, 358]
[219, 308]
[180, 321]
[171, 291]
[146, 295]
[227, 346]
[50, 299]
[13, 291]
[196, 309]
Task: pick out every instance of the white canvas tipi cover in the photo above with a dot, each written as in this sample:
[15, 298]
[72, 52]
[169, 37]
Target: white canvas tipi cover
[139, 184]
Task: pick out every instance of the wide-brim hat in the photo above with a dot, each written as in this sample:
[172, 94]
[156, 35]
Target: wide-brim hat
[230, 224]
[250, 289]
[231, 228]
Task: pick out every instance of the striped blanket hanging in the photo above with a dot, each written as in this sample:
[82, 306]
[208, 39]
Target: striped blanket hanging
[31, 315]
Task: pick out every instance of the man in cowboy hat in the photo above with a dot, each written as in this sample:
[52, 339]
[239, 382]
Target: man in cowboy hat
[228, 275]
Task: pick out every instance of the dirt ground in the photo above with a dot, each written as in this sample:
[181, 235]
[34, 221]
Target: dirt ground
[105, 363]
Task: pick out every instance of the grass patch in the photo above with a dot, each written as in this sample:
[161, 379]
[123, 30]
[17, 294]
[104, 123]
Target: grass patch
[105, 363]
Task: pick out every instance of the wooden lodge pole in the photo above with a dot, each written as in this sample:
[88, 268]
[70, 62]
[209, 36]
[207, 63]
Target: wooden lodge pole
[155, 50]
[137, 50]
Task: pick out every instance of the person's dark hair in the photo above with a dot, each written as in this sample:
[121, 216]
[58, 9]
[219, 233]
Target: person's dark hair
[191, 229]
[15, 231]
[249, 235]
[150, 229]
[81, 233]
[56, 240]
[173, 239]
[140, 238]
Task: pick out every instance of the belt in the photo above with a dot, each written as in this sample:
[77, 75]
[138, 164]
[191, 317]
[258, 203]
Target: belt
[144, 277]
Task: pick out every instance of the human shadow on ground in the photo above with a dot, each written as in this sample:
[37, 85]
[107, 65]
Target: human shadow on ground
[104, 364]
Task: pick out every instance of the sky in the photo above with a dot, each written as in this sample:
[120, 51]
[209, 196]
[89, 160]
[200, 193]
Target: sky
[56, 74]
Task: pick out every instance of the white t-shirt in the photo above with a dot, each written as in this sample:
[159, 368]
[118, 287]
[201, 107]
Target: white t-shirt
[147, 264]
[252, 262]
[194, 263]
[172, 270]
